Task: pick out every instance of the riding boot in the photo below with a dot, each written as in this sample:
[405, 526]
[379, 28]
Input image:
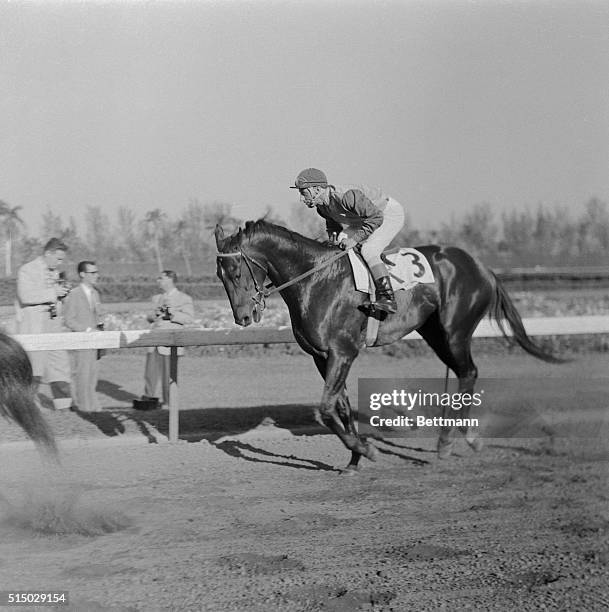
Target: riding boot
[385, 299]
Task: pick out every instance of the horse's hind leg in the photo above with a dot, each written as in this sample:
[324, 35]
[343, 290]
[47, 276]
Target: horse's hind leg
[468, 375]
[454, 351]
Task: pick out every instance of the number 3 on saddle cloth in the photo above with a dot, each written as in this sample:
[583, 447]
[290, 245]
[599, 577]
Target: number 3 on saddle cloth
[407, 267]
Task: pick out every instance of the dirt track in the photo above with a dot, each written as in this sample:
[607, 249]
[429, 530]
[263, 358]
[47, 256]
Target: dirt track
[263, 521]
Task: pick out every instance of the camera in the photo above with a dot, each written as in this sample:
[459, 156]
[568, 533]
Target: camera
[164, 313]
[62, 281]
[100, 352]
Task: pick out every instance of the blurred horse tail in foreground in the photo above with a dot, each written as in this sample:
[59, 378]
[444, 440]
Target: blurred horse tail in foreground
[17, 394]
[330, 318]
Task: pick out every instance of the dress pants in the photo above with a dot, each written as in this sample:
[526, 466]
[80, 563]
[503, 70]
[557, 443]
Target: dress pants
[157, 368]
[86, 372]
[52, 367]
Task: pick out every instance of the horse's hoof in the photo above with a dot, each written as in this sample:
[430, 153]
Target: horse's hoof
[445, 449]
[350, 470]
[476, 444]
[372, 452]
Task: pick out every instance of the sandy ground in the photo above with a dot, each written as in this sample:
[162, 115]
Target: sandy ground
[261, 519]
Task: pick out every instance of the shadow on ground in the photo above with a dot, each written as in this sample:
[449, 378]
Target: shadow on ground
[207, 424]
[115, 391]
[243, 450]
[217, 424]
[214, 423]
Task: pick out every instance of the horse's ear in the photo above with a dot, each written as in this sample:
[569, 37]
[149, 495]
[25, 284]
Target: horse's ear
[219, 234]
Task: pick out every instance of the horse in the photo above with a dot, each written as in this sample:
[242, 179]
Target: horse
[329, 317]
[17, 394]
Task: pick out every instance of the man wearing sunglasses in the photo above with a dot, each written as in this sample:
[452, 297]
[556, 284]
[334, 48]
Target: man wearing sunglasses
[356, 216]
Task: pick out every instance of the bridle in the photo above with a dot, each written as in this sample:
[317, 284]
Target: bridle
[263, 292]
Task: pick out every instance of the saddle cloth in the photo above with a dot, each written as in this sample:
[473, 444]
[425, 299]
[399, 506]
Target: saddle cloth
[410, 268]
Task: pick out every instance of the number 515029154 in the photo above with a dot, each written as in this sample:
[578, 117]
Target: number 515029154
[36, 598]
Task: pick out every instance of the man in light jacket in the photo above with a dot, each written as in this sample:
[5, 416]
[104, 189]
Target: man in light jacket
[38, 311]
[172, 309]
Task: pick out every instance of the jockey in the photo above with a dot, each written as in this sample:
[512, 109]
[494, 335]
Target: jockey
[355, 216]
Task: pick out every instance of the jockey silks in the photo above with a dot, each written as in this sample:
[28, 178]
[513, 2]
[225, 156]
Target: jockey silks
[360, 209]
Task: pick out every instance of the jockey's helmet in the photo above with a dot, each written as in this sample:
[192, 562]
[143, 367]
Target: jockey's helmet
[311, 177]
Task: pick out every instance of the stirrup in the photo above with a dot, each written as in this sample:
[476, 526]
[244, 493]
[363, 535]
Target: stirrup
[385, 304]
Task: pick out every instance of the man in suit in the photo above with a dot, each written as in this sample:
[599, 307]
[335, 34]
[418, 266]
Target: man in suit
[82, 313]
[172, 309]
[38, 311]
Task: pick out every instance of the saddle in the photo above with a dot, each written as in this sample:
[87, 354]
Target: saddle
[407, 268]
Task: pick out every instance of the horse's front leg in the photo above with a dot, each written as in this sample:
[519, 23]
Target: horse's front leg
[346, 416]
[336, 412]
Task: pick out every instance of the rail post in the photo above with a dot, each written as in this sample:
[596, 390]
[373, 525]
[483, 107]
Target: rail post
[174, 398]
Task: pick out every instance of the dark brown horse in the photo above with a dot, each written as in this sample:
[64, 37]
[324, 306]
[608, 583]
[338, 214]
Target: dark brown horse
[17, 394]
[329, 316]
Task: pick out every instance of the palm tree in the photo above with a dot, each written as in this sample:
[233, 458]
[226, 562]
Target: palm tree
[11, 221]
[154, 220]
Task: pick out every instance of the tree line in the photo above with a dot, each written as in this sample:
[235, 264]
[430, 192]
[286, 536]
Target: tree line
[539, 236]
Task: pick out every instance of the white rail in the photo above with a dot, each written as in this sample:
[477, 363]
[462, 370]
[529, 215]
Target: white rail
[535, 326]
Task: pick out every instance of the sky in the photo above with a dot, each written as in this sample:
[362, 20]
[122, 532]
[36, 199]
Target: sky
[445, 104]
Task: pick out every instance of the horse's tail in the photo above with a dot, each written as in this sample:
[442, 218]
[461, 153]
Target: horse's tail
[503, 308]
[17, 394]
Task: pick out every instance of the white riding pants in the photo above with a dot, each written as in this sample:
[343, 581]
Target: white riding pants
[377, 242]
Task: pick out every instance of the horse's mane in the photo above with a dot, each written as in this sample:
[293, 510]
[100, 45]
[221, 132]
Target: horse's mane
[262, 229]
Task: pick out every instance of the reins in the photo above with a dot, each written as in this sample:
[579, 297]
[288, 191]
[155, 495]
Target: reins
[263, 293]
[298, 278]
